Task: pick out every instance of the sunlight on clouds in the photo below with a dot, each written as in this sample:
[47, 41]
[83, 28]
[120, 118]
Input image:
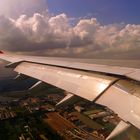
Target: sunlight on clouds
[55, 35]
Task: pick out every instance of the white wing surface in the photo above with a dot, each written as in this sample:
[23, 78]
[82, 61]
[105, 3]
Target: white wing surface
[115, 84]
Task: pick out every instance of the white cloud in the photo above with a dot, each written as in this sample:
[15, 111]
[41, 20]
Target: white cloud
[54, 35]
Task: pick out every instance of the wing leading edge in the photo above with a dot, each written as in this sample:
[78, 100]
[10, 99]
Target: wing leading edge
[125, 68]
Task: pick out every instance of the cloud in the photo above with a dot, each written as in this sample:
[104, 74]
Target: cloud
[54, 35]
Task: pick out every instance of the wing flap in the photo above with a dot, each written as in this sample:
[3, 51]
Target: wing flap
[124, 99]
[84, 84]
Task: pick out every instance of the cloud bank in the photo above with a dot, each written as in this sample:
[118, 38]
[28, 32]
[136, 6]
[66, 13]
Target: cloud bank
[46, 34]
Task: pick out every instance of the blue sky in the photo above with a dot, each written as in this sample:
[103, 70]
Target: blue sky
[106, 11]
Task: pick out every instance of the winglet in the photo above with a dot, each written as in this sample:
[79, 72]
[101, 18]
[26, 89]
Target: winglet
[1, 52]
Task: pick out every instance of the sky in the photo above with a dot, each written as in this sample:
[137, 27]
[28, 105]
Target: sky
[106, 11]
[71, 28]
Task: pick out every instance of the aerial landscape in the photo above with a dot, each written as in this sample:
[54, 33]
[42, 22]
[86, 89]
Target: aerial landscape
[69, 70]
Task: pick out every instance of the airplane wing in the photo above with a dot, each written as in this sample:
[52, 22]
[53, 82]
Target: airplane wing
[112, 83]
